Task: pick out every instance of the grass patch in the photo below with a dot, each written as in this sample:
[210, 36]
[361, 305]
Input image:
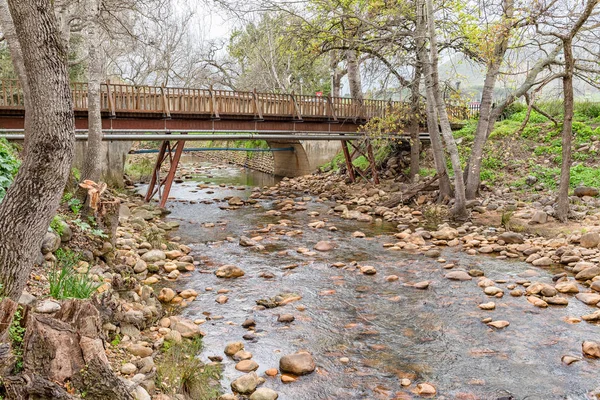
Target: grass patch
[65, 282]
[180, 371]
[140, 169]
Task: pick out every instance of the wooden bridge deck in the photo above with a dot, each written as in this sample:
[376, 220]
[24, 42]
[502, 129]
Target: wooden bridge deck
[145, 103]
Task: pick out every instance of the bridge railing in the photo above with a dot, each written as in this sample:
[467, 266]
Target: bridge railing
[122, 98]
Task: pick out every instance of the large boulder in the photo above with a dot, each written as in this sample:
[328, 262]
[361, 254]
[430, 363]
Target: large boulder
[153, 256]
[588, 273]
[445, 233]
[511, 238]
[301, 363]
[590, 240]
[585, 191]
[264, 394]
[229, 271]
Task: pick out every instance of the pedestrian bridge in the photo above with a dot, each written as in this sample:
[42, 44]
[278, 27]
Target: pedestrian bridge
[312, 125]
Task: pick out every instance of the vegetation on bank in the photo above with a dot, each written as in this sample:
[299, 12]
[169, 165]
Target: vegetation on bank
[9, 165]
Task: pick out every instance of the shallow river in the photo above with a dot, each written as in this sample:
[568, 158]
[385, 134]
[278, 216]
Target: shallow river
[388, 331]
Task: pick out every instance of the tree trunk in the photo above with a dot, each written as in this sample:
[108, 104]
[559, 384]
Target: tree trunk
[460, 202]
[354, 80]
[336, 76]
[34, 196]
[415, 122]
[562, 204]
[432, 118]
[473, 170]
[92, 164]
[16, 55]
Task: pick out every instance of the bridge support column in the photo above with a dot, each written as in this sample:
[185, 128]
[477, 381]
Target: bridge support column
[289, 163]
[162, 186]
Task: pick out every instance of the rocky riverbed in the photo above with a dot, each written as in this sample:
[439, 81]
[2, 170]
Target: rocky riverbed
[316, 270]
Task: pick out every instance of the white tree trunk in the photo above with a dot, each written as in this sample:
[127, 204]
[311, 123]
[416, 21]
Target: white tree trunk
[460, 209]
[354, 80]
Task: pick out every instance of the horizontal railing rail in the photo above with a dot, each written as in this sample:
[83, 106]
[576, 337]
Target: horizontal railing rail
[165, 101]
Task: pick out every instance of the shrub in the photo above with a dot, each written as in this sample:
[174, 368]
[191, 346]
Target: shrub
[588, 109]
[9, 165]
[65, 282]
[179, 371]
[16, 332]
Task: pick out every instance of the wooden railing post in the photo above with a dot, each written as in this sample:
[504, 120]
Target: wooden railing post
[214, 110]
[166, 108]
[295, 107]
[257, 105]
[111, 101]
[331, 115]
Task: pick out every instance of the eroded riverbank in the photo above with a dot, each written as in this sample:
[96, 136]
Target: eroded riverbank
[367, 333]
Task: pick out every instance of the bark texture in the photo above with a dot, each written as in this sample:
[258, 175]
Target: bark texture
[92, 164]
[33, 197]
[459, 211]
[415, 123]
[354, 80]
[432, 118]
[473, 169]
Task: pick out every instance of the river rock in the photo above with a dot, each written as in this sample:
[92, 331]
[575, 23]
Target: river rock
[233, 348]
[166, 295]
[324, 245]
[245, 384]
[246, 242]
[487, 306]
[543, 262]
[591, 299]
[140, 266]
[47, 307]
[235, 201]
[50, 243]
[499, 324]
[581, 265]
[246, 366]
[128, 368]
[286, 318]
[588, 273]
[568, 360]
[556, 300]
[368, 270]
[185, 326]
[229, 272]
[139, 350]
[590, 240]
[422, 285]
[425, 389]
[264, 394]
[511, 238]
[591, 349]
[242, 355]
[458, 276]
[154, 256]
[582, 191]
[492, 290]
[539, 217]
[536, 301]
[567, 287]
[595, 286]
[445, 233]
[250, 322]
[301, 363]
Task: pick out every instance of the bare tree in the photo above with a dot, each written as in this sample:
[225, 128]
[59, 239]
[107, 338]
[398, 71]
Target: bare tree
[33, 197]
[562, 204]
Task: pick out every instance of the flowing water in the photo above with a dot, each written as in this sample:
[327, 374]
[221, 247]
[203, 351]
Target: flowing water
[387, 330]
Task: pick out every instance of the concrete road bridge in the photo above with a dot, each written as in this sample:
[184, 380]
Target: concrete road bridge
[313, 126]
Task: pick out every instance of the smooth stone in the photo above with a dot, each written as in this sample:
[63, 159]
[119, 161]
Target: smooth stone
[264, 394]
[499, 324]
[245, 384]
[301, 363]
[233, 347]
[246, 366]
[458, 276]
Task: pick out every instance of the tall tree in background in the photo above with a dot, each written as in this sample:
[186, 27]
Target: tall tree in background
[562, 204]
[33, 197]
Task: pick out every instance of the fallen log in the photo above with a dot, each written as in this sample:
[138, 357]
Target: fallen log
[407, 195]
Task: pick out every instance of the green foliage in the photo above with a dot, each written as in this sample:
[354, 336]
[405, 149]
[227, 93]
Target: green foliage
[56, 224]
[534, 117]
[65, 282]
[587, 109]
[75, 205]
[89, 228]
[180, 371]
[505, 219]
[139, 168]
[76, 174]
[467, 132]
[514, 108]
[16, 332]
[361, 162]
[505, 128]
[582, 132]
[9, 165]
[427, 172]
[116, 341]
